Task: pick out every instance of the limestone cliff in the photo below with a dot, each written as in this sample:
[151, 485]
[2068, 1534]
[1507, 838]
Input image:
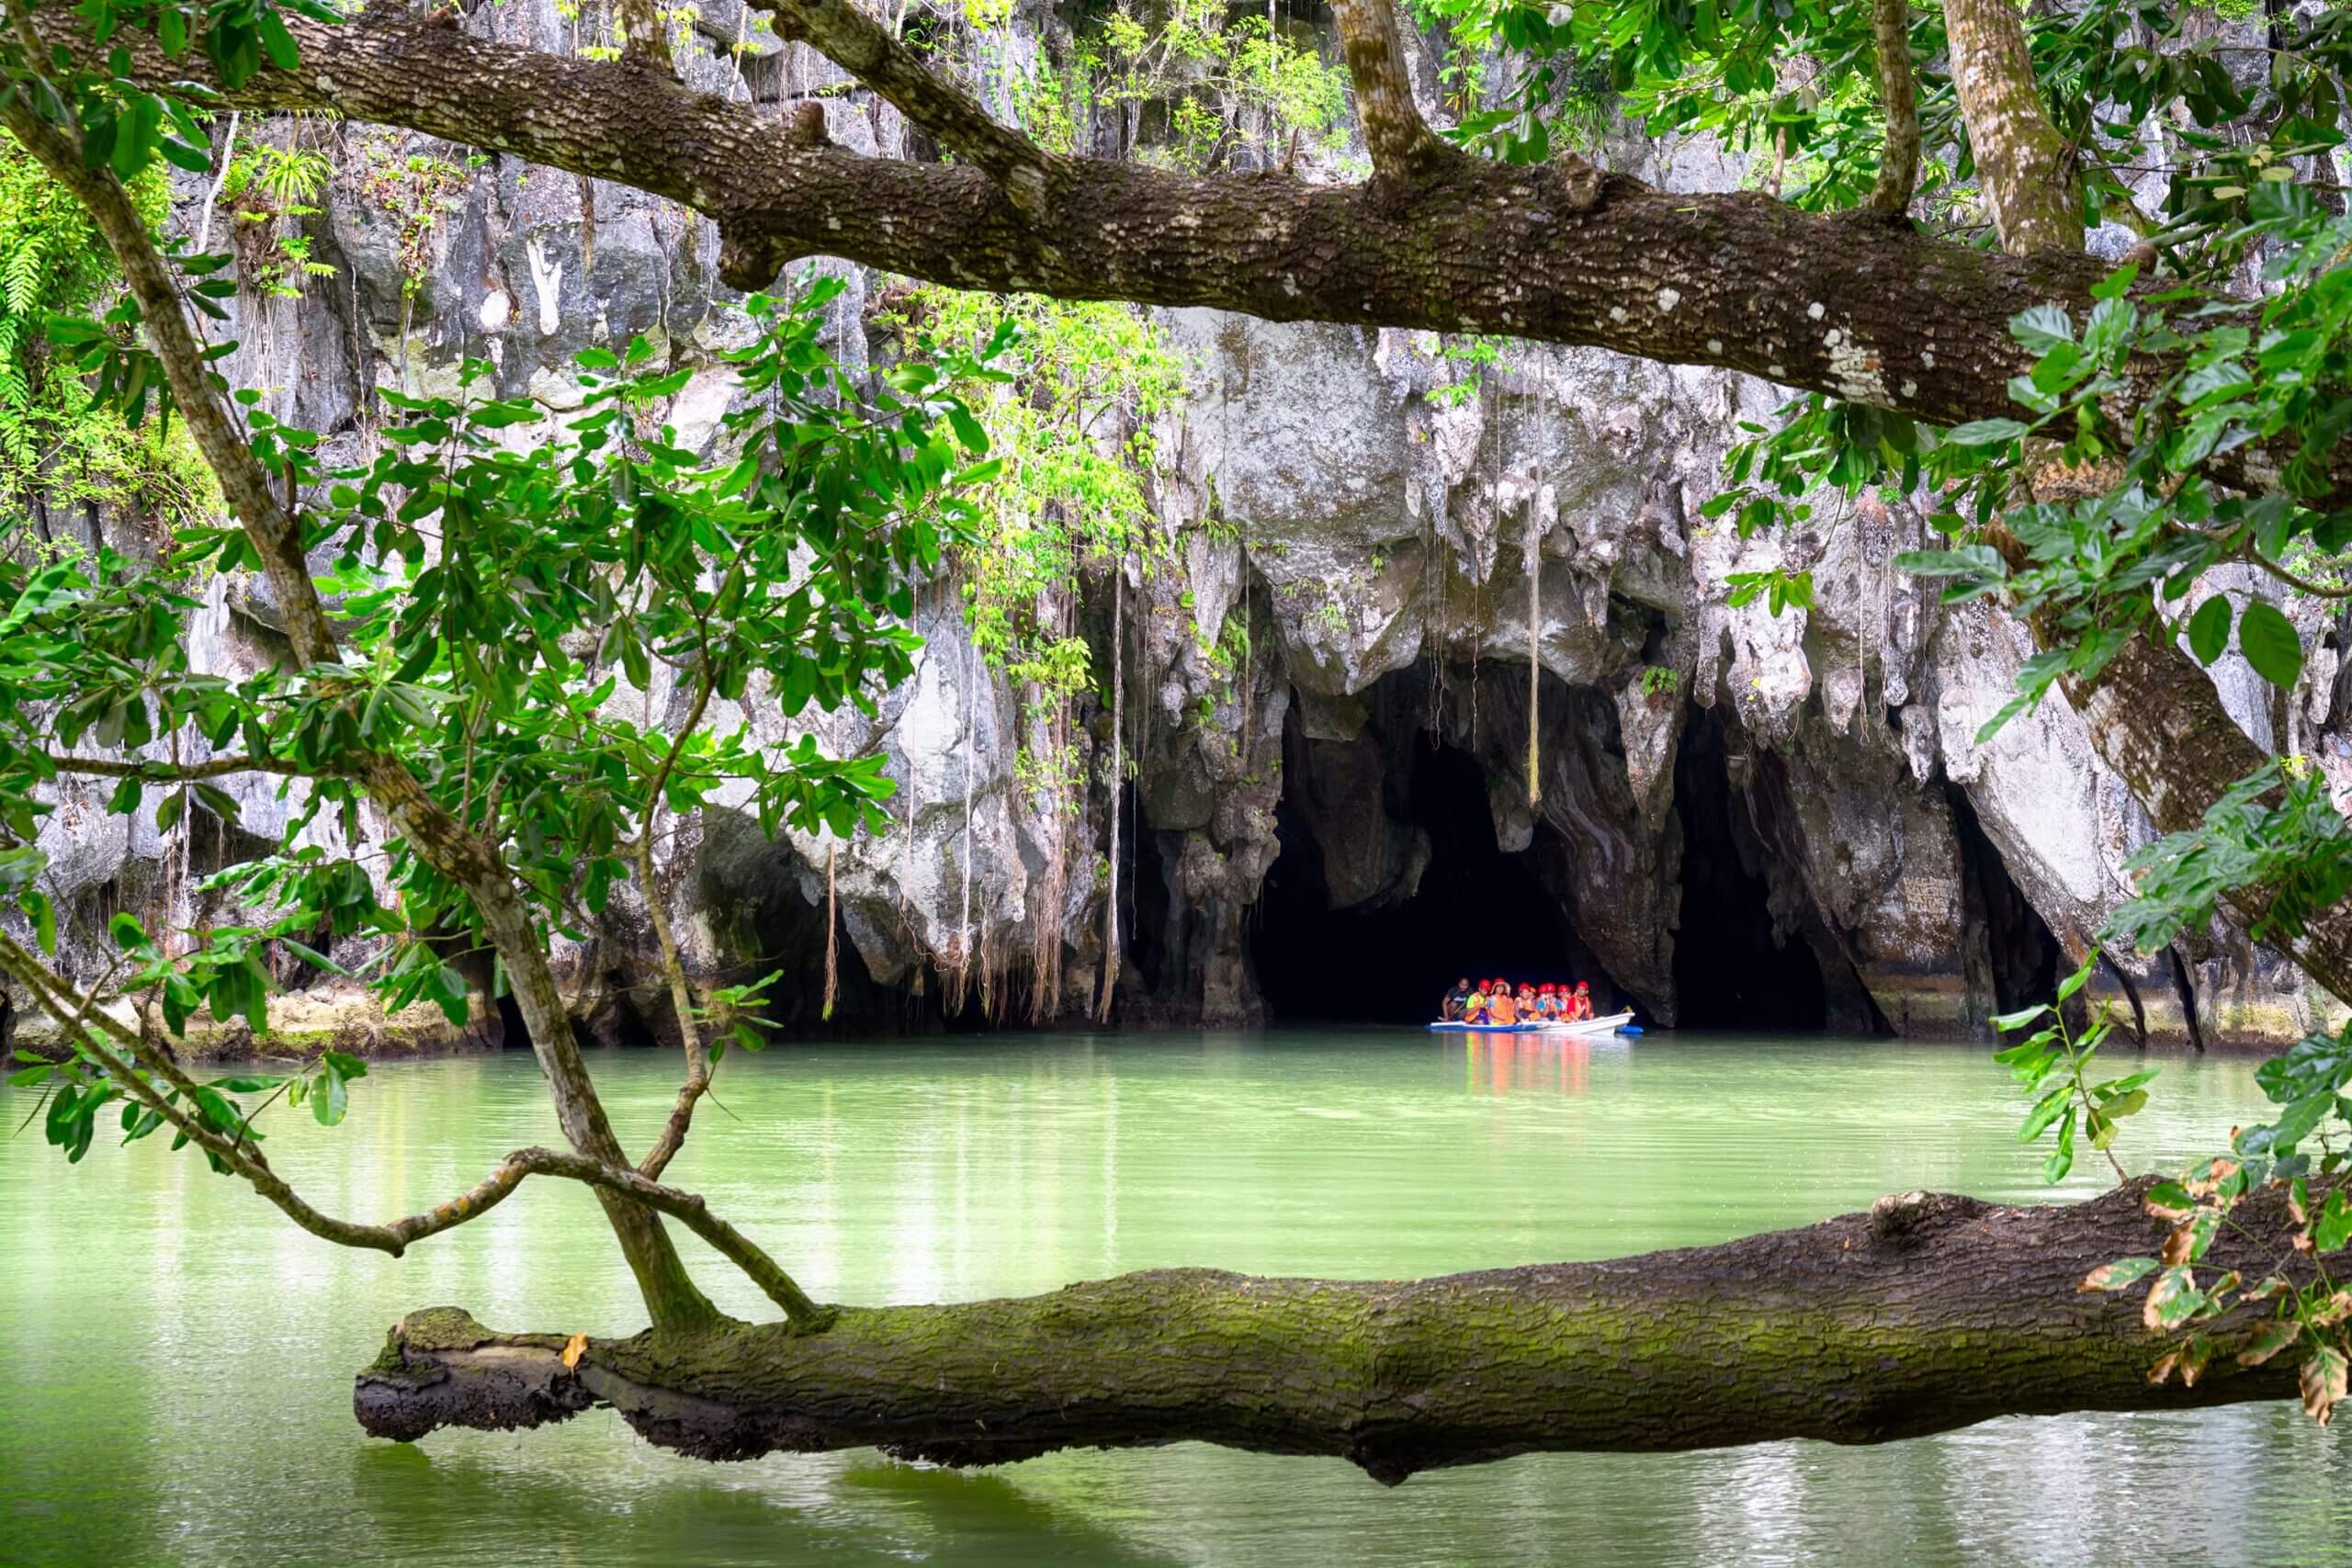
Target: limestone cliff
[1719, 816]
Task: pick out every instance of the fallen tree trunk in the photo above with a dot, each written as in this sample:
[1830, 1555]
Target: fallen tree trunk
[1925, 1314]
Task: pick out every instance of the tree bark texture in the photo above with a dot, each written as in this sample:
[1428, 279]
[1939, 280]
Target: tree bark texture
[1925, 1314]
[2024, 166]
[1854, 305]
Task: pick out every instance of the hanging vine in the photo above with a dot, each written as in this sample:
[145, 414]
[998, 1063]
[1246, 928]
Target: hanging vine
[1067, 413]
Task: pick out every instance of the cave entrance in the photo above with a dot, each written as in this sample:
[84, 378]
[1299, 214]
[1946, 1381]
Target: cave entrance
[1732, 969]
[2022, 954]
[1473, 910]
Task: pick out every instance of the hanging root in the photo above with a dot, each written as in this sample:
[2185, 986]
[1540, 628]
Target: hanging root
[1118, 782]
[832, 939]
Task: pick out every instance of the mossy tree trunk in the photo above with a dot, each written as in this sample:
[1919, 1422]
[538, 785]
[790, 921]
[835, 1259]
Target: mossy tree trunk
[1925, 1314]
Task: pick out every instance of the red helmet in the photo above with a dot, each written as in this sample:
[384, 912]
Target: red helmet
[1584, 984]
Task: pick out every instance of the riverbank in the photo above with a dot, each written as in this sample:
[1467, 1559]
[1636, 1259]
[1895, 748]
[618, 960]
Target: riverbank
[303, 1024]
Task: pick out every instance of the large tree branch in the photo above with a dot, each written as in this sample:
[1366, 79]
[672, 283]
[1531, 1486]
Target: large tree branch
[1928, 1313]
[1557, 253]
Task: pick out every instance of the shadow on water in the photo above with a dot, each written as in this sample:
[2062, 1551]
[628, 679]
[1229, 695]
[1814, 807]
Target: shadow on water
[849, 1509]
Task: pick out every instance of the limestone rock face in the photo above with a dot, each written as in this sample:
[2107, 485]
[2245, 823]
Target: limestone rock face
[1370, 546]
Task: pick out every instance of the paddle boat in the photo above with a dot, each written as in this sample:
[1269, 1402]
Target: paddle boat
[1615, 1023]
[1608, 1025]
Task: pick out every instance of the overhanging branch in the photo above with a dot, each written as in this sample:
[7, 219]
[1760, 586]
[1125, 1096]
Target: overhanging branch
[107, 1040]
[1555, 252]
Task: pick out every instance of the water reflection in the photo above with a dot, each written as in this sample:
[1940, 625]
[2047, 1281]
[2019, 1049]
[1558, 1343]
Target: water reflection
[173, 1388]
[1556, 1064]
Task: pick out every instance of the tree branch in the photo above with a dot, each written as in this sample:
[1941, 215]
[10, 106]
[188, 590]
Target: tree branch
[116, 1047]
[244, 484]
[438, 838]
[860, 45]
[1898, 93]
[182, 772]
[2023, 165]
[1926, 1314]
[1402, 144]
[1557, 253]
[682, 1001]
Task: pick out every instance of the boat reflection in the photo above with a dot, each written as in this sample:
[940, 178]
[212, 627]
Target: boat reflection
[1538, 1063]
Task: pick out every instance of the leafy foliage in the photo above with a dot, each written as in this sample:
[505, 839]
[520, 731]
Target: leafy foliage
[1226, 84]
[1066, 399]
[60, 447]
[494, 602]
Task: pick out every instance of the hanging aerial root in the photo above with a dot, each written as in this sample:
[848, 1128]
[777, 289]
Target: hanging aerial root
[833, 938]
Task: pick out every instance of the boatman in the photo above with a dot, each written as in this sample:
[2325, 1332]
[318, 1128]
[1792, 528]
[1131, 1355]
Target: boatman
[1456, 1001]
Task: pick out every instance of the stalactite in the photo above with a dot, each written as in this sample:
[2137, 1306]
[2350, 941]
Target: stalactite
[1118, 784]
[832, 939]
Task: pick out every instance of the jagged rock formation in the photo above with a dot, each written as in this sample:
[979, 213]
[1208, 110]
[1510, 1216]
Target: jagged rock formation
[1374, 598]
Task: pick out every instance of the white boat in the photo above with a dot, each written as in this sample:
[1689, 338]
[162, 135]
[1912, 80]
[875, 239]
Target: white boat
[1609, 1025]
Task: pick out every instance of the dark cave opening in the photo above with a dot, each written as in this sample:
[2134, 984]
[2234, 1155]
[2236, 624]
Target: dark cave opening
[2018, 941]
[1476, 910]
[1730, 969]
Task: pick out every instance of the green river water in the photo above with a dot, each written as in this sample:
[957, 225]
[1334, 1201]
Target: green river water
[175, 1358]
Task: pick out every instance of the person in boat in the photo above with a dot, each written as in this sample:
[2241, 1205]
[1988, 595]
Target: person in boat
[1547, 1004]
[1503, 1008]
[1526, 1003]
[1580, 1008]
[1456, 1001]
[1473, 1006]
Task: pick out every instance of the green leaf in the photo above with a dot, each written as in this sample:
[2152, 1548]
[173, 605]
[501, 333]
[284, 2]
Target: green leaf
[2116, 1275]
[2172, 1298]
[329, 1098]
[2208, 629]
[1984, 431]
[43, 915]
[2045, 1111]
[20, 866]
[2042, 327]
[311, 955]
[2062, 1158]
[2333, 1227]
[2268, 642]
[277, 40]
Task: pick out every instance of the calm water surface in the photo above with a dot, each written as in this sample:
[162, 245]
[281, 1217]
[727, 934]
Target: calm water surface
[175, 1358]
